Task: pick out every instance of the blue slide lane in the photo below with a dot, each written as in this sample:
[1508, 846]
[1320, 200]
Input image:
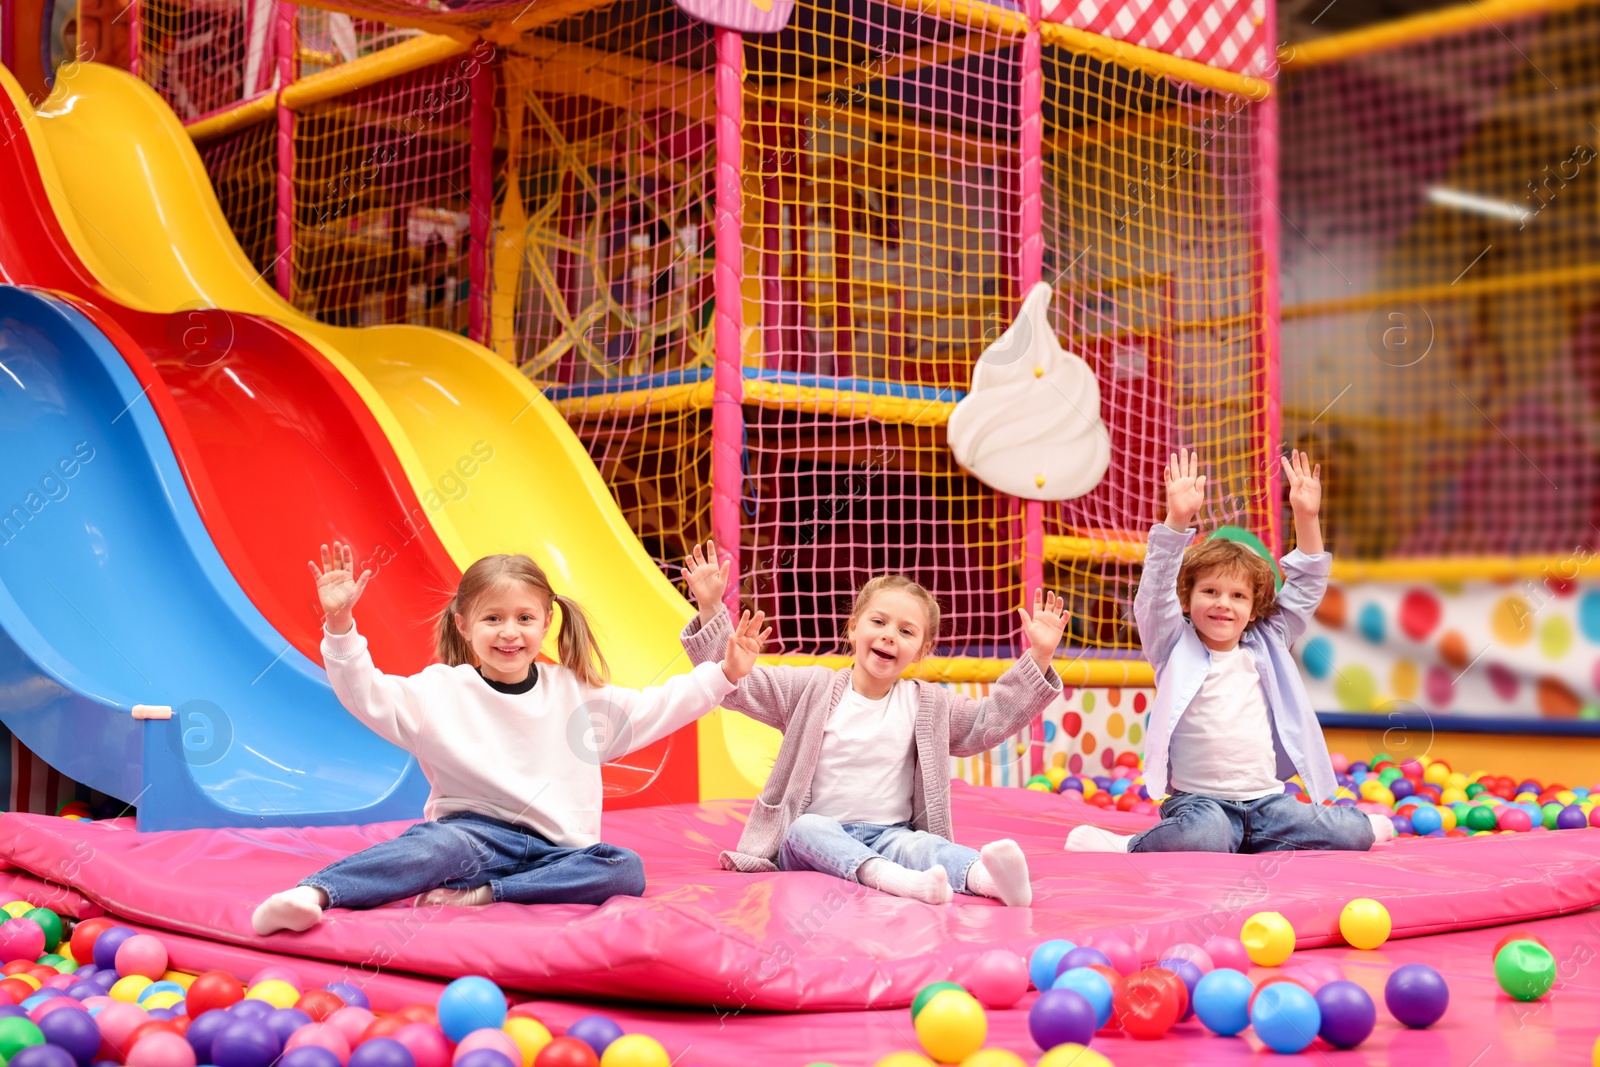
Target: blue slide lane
[112, 594]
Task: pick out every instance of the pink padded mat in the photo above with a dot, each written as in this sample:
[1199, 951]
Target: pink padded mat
[706, 937]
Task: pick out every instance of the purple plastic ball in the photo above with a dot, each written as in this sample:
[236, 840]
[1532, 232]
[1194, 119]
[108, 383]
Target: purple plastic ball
[83, 990]
[74, 1031]
[1414, 994]
[484, 1057]
[381, 1052]
[204, 1029]
[1191, 976]
[161, 1013]
[1571, 817]
[1071, 781]
[1348, 1014]
[86, 971]
[1402, 824]
[43, 1056]
[9, 1010]
[106, 945]
[245, 1043]
[1359, 767]
[105, 978]
[1060, 1016]
[596, 1031]
[1082, 956]
[285, 1021]
[1402, 788]
[350, 994]
[309, 1056]
[250, 1009]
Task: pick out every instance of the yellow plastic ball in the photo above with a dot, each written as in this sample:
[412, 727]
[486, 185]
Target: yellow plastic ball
[1089, 788]
[635, 1050]
[1057, 775]
[181, 977]
[1369, 787]
[1448, 817]
[1457, 780]
[529, 1035]
[1071, 1055]
[1525, 797]
[1384, 796]
[1452, 796]
[1039, 787]
[994, 1057]
[1365, 923]
[64, 950]
[1567, 796]
[1268, 938]
[952, 1026]
[905, 1059]
[128, 989]
[17, 908]
[164, 999]
[1344, 793]
[30, 979]
[278, 993]
[1477, 775]
[1436, 774]
[1594, 1055]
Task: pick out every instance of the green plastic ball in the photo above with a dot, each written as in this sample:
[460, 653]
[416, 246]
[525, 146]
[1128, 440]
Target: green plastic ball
[1549, 813]
[16, 1034]
[1379, 758]
[928, 992]
[1389, 774]
[1480, 818]
[1475, 790]
[1525, 970]
[50, 923]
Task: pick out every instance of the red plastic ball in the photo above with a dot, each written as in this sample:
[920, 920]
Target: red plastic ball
[83, 936]
[17, 967]
[1516, 935]
[1146, 1006]
[213, 989]
[1272, 979]
[17, 990]
[384, 1026]
[1112, 976]
[566, 1052]
[1101, 799]
[1128, 759]
[319, 1004]
[154, 1026]
[420, 1013]
[1127, 800]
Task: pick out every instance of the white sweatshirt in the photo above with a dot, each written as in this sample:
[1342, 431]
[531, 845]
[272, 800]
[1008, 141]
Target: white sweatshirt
[531, 758]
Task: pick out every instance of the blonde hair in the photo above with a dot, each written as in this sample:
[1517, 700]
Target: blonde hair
[900, 583]
[1234, 559]
[575, 641]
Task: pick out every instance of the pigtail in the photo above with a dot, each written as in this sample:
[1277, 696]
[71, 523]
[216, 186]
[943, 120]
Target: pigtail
[576, 645]
[449, 647]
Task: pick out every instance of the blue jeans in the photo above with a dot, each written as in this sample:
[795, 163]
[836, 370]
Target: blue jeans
[464, 851]
[818, 843]
[1277, 823]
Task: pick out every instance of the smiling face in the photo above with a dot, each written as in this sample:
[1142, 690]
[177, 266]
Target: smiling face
[505, 629]
[889, 635]
[1221, 606]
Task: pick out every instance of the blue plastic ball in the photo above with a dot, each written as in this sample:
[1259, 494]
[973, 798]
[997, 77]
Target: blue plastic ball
[596, 1031]
[1042, 964]
[1119, 786]
[1082, 956]
[1348, 1014]
[1416, 995]
[1061, 1016]
[350, 994]
[1285, 1017]
[1093, 987]
[1222, 1001]
[381, 1052]
[1425, 819]
[160, 987]
[245, 1042]
[468, 1004]
[1191, 976]
[73, 1030]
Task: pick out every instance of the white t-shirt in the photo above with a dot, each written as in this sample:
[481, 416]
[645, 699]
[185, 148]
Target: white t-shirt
[1222, 744]
[864, 771]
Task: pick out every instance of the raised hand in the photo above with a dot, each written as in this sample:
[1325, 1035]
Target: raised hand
[1186, 489]
[708, 580]
[744, 645]
[337, 586]
[1305, 484]
[1044, 627]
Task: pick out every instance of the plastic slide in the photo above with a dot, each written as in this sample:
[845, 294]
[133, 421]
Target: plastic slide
[112, 594]
[493, 463]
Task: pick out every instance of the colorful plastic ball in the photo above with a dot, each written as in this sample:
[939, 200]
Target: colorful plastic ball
[352, 1022]
[998, 978]
[1042, 963]
[107, 943]
[635, 1050]
[16, 1034]
[1512, 817]
[251, 1009]
[73, 1031]
[381, 1052]
[495, 1040]
[1073, 1055]
[1525, 970]
[1348, 1014]
[952, 1026]
[1365, 923]
[244, 1042]
[1148, 1004]
[529, 1035]
[143, 955]
[349, 993]
[309, 1056]
[118, 1021]
[319, 1004]
[1228, 952]
[283, 1022]
[469, 1004]
[567, 1052]
[275, 973]
[213, 989]
[1572, 817]
[1123, 959]
[43, 1056]
[1285, 1017]
[1548, 814]
[427, 1045]
[1062, 1016]
[596, 1031]
[928, 992]
[1082, 956]
[1187, 950]
[21, 939]
[163, 1001]
[1416, 995]
[1189, 974]
[486, 1057]
[1222, 1001]
[274, 991]
[161, 1049]
[203, 1030]
[49, 922]
[1268, 937]
[1092, 987]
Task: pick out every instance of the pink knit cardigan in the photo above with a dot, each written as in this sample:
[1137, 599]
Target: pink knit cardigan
[798, 701]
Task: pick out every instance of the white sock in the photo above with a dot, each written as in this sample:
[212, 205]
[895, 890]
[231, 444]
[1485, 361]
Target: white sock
[1002, 872]
[456, 898]
[931, 886]
[1093, 839]
[1382, 829]
[293, 909]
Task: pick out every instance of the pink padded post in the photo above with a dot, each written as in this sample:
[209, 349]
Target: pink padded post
[481, 195]
[727, 412]
[1030, 270]
[283, 264]
[1267, 270]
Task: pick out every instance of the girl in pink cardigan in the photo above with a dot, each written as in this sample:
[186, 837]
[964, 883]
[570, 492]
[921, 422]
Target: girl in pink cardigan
[861, 786]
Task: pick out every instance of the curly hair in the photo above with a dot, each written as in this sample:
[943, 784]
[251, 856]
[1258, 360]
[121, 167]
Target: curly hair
[1235, 560]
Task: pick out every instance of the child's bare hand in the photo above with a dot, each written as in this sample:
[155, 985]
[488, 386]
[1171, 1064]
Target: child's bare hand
[1044, 627]
[337, 586]
[708, 579]
[1305, 485]
[1186, 489]
[744, 645]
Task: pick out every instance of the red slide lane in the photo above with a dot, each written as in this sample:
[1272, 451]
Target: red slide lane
[280, 453]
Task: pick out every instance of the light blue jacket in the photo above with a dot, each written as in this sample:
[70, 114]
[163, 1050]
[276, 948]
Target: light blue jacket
[1182, 662]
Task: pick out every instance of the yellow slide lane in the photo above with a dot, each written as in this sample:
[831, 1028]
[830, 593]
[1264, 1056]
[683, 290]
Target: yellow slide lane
[137, 204]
